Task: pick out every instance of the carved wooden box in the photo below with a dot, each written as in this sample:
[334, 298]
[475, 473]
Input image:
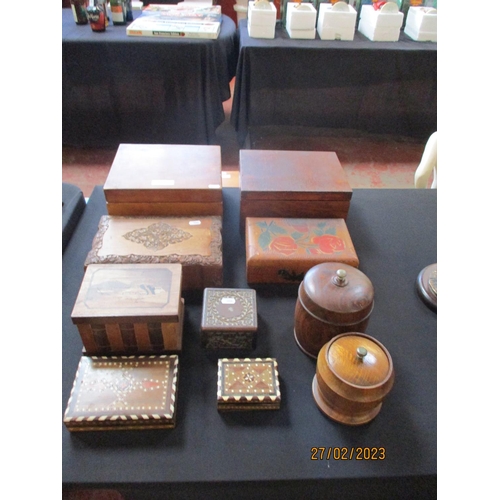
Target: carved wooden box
[309, 184]
[130, 308]
[282, 250]
[229, 318]
[165, 179]
[248, 384]
[123, 393]
[194, 242]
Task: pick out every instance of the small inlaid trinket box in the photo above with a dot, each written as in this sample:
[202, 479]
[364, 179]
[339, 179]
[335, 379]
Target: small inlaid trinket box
[123, 393]
[248, 384]
[229, 318]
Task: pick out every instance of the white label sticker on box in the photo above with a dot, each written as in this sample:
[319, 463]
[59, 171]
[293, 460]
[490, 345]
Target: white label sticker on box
[228, 300]
[163, 182]
[194, 222]
[214, 186]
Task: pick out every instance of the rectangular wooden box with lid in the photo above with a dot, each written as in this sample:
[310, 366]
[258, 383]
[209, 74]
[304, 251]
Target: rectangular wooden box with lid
[248, 384]
[194, 242]
[292, 184]
[123, 393]
[130, 308]
[282, 250]
[229, 318]
[165, 179]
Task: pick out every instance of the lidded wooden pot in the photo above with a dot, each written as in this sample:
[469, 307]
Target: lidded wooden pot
[354, 373]
[333, 298]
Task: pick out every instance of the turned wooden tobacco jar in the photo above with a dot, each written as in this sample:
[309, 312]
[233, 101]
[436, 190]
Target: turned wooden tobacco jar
[333, 298]
[354, 373]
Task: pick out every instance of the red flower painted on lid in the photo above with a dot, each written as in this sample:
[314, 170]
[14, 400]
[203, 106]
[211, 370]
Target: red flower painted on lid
[329, 243]
[283, 244]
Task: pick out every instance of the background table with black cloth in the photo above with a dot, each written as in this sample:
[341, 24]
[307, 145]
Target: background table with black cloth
[380, 87]
[122, 89]
[263, 453]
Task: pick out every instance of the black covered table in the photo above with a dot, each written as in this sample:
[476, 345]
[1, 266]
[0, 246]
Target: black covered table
[269, 452]
[118, 89]
[380, 87]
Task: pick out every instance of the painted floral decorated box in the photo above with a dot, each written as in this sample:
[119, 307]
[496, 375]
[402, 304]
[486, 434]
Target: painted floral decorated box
[282, 250]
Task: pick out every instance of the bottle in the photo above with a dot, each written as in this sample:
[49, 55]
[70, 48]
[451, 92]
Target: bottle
[79, 8]
[97, 17]
[130, 15]
[118, 12]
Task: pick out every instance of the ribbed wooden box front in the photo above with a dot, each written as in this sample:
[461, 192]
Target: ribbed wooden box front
[130, 309]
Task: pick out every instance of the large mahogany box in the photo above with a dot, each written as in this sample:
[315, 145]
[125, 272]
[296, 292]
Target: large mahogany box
[165, 179]
[281, 250]
[248, 384]
[123, 393]
[194, 242]
[292, 184]
[130, 308]
[229, 318]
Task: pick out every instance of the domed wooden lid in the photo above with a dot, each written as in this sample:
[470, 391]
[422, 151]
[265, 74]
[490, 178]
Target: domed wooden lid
[358, 360]
[337, 293]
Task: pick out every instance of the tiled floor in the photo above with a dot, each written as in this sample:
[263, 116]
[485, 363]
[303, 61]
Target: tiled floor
[370, 160]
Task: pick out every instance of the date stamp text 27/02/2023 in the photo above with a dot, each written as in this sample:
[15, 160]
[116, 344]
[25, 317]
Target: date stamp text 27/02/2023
[345, 453]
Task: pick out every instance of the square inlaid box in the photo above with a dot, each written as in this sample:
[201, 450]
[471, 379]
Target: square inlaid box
[130, 308]
[282, 250]
[193, 242]
[165, 179]
[229, 318]
[292, 184]
[248, 384]
[123, 393]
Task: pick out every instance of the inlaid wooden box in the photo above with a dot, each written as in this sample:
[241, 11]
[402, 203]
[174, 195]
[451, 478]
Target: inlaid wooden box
[248, 384]
[194, 242]
[282, 250]
[130, 308]
[229, 318]
[165, 179]
[123, 393]
[292, 184]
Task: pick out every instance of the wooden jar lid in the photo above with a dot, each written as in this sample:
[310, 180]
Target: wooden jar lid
[358, 361]
[337, 293]
[354, 373]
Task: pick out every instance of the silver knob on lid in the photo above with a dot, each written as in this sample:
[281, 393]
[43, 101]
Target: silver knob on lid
[340, 278]
[361, 352]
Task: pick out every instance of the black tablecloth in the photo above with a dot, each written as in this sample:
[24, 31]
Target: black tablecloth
[73, 205]
[381, 87]
[118, 89]
[269, 452]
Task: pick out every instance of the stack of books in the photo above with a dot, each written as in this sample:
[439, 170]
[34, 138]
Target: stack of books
[178, 21]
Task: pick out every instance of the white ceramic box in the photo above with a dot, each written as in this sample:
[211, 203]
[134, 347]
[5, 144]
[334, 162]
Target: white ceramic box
[261, 19]
[383, 25]
[301, 20]
[421, 24]
[336, 22]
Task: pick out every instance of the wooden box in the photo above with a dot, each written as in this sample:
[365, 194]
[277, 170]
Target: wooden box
[309, 184]
[165, 179]
[248, 384]
[229, 318]
[281, 250]
[130, 308]
[196, 243]
[123, 393]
